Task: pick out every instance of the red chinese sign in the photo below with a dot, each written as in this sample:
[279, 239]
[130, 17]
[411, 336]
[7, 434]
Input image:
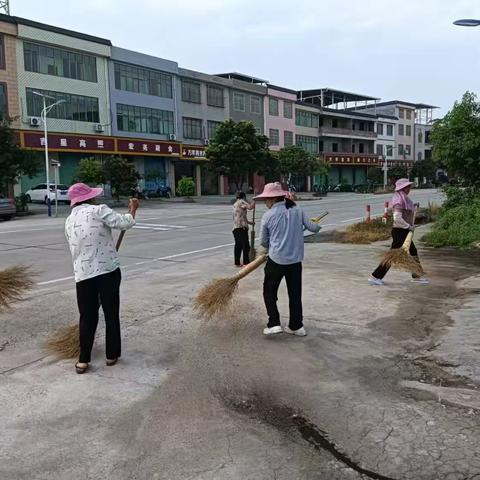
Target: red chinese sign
[193, 151]
[144, 147]
[69, 142]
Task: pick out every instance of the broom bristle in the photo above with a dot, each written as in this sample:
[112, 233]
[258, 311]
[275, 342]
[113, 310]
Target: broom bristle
[14, 282]
[215, 297]
[65, 343]
[399, 259]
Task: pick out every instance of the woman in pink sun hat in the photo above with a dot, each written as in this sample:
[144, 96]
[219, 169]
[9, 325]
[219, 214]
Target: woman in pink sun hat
[403, 214]
[281, 234]
[97, 268]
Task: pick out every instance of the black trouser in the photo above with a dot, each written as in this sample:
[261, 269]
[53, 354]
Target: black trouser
[398, 235]
[293, 276]
[105, 289]
[241, 245]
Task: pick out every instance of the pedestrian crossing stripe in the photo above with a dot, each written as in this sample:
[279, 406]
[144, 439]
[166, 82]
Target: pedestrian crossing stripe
[157, 227]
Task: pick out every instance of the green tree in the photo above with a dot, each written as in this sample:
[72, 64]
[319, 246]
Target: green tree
[395, 173]
[456, 140]
[237, 150]
[375, 175]
[424, 169]
[121, 174]
[186, 187]
[90, 171]
[294, 160]
[15, 161]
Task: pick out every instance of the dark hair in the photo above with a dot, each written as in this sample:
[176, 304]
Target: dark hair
[240, 195]
[289, 203]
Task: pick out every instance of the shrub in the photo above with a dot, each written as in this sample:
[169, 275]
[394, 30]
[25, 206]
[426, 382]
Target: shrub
[186, 187]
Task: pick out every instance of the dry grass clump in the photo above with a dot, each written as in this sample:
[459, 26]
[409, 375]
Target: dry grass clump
[364, 233]
[400, 259]
[65, 343]
[14, 282]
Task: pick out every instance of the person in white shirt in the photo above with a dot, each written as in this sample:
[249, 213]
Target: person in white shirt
[96, 267]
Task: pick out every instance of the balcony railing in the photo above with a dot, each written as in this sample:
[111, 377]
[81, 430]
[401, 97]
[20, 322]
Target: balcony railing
[348, 132]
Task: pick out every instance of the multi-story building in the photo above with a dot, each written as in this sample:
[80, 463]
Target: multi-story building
[279, 109]
[386, 131]
[423, 128]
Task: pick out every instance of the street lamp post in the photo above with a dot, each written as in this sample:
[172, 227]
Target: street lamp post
[43, 116]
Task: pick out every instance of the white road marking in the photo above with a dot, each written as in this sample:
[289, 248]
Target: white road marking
[24, 231]
[55, 281]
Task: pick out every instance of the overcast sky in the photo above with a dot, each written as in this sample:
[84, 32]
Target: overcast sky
[392, 49]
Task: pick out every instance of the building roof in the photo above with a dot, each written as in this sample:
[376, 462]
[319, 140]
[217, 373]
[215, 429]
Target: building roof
[401, 102]
[242, 77]
[332, 96]
[282, 89]
[50, 28]
[337, 112]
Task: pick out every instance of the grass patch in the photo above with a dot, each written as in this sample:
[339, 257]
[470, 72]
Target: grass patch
[458, 226]
[365, 233]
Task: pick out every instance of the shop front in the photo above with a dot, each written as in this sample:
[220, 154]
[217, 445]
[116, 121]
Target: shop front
[348, 169]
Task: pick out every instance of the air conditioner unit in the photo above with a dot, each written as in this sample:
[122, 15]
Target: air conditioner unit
[35, 121]
[172, 137]
[206, 141]
[99, 127]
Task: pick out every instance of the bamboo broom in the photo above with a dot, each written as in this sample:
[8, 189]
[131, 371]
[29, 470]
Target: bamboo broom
[253, 252]
[218, 294]
[400, 258]
[65, 343]
[14, 281]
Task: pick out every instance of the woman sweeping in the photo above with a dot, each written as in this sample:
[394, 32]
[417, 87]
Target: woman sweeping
[97, 268]
[282, 235]
[240, 229]
[403, 219]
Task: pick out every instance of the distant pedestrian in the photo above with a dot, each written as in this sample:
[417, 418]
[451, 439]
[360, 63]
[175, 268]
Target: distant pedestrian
[403, 223]
[97, 268]
[240, 229]
[282, 235]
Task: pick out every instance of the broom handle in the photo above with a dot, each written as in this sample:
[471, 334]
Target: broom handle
[122, 234]
[409, 239]
[251, 266]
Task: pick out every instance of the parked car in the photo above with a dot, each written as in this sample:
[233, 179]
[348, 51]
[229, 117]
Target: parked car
[7, 208]
[39, 193]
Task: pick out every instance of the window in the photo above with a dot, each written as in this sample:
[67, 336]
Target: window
[306, 119]
[401, 113]
[334, 123]
[379, 149]
[419, 156]
[273, 106]
[142, 80]
[361, 126]
[400, 149]
[74, 107]
[361, 148]
[389, 150]
[255, 104]
[401, 130]
[310, 144]
[192, 128]
[59, 62]
[2, 52]
[212, 128]
[408, 149]
[353, 148]
[238, 102]
[320, 146]
[380, 128]
[334, 147]
[274, 136]
[191, 91]
[420, 137]
[390, 130]
[215, 96]
[427, 137]
[287, 138]
[144, 120]
[408, 130]
[287, 109]
[3, 101]
[409, 114]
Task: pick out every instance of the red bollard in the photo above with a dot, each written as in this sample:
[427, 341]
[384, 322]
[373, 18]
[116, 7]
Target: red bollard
[368, 212]
[385, 213]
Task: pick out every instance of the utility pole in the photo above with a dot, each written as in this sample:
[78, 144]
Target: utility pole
[5, 7]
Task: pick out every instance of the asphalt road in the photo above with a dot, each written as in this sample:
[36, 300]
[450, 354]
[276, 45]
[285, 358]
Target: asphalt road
[164, 232]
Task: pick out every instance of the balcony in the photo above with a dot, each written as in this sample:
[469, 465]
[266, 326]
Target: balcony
[361, 159]
[346, 133]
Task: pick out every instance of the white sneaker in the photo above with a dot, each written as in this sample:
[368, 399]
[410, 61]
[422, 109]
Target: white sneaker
[421, 281]
[273, 330]
[301, 332]
[376, 281]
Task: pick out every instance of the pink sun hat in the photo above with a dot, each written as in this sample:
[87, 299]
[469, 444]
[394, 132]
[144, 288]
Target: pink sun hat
[402, 183]
[79, 192]
[272, 190]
